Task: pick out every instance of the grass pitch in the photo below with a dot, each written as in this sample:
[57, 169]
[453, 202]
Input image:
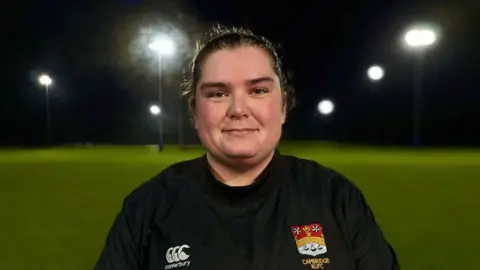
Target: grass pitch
[57, 205]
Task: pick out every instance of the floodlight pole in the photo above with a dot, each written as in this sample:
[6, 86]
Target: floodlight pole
[47, 106]
[419, 72]
[160, 92]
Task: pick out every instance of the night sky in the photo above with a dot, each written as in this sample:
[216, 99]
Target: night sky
[105, 77]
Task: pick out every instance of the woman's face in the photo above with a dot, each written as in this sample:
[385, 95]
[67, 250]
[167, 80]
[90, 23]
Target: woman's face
[239, 109]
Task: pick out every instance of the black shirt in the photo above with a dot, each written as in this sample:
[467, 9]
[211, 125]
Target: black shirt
[296, 215]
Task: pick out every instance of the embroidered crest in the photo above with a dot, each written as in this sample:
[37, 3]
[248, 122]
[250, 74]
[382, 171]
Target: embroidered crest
[310, 239]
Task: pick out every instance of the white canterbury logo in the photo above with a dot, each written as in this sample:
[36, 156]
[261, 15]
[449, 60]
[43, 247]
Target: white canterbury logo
[177, 257]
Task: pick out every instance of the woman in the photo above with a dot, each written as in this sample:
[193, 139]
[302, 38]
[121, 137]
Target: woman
[243, 205]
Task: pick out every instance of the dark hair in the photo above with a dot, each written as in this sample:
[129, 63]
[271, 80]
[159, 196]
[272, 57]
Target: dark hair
[221, 37]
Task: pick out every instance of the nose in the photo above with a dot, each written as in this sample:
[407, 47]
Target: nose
[238, 105]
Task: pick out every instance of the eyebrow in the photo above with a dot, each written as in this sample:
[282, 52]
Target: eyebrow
[260, 80]
[248, 82]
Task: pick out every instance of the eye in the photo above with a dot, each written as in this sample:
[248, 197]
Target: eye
[259, 91]
[217, 94]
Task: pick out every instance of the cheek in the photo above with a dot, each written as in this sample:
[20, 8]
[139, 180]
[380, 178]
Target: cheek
[208, 117]
[271, 113]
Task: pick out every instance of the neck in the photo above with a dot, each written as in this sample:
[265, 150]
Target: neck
[232, 175]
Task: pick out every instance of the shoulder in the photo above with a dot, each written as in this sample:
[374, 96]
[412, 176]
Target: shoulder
[161, 189]
[311, 170]
[321, 178]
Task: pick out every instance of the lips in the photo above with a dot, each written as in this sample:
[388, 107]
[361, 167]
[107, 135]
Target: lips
[239, 131]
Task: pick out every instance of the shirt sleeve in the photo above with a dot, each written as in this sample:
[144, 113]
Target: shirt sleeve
[123, 247]
[370, 248]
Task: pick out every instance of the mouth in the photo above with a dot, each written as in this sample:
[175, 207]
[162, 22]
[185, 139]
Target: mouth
[239, 131]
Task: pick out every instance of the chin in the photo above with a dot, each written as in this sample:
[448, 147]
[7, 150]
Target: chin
[241, 152]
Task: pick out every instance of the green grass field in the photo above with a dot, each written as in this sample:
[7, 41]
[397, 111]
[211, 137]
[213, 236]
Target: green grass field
[57, 205]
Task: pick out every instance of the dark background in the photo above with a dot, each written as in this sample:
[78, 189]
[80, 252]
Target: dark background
[105, 77]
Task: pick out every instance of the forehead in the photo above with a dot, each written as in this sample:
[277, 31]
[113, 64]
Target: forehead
[236, 65]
